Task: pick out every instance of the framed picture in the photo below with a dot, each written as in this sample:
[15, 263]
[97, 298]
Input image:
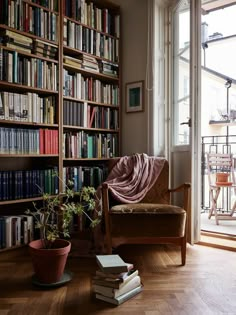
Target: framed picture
[135, 97]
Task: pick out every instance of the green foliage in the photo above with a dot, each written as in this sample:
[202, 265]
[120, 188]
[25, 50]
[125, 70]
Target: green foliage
[67, 204]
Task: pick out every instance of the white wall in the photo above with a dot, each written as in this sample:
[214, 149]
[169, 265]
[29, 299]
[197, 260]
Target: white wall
[134, 129]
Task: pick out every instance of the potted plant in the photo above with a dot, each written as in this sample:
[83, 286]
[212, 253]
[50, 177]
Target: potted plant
[49, 253]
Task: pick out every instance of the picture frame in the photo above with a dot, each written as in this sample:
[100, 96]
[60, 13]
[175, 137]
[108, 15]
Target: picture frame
[134, 96]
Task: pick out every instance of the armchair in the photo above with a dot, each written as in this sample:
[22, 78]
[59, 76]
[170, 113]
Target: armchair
[150, 219]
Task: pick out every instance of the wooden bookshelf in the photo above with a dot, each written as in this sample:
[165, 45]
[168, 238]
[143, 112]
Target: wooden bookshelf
[58, 63]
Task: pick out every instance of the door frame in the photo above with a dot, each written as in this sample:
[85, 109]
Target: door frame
[195, 115]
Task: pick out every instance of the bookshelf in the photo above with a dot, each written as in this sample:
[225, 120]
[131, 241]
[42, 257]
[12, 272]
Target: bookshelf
[59, 96]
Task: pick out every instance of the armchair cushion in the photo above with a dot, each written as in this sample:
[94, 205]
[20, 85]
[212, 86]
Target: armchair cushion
[147, 220]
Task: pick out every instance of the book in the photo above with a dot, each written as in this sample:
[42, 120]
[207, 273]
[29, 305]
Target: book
[111, 263]
[17, 36]
[114, 283]
[120, 299]
[113, 292]
[120, 275]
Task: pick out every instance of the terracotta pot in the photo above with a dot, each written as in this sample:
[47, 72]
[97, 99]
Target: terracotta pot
[49, 264]
[222, 177]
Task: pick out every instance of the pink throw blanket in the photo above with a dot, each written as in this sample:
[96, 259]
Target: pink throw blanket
[133, 176]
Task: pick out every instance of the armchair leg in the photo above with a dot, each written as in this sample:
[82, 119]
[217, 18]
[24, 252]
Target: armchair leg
[183, 251]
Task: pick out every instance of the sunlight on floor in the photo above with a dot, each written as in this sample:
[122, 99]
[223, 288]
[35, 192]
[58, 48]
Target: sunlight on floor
[225, 227]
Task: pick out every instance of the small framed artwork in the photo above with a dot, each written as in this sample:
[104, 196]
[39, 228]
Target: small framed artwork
[135, 97]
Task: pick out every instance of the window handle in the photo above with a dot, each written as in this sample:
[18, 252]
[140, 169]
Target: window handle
[189, 123]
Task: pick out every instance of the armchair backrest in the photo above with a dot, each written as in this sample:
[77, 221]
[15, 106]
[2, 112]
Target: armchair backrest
[159, 192]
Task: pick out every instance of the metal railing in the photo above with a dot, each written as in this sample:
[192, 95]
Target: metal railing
[215, 144]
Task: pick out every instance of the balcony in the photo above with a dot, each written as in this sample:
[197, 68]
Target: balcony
[216, 144]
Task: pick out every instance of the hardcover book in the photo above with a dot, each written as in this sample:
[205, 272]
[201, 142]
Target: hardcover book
[114, 293]
[120, 299]
[111, 263]
[114, 283]
[119, 275]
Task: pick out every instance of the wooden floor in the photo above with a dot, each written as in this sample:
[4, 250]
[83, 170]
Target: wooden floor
[206, 285]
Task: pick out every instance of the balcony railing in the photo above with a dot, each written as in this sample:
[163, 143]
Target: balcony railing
[216, 144]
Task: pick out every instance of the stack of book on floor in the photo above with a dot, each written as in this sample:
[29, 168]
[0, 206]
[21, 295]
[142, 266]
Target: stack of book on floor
[116, 281]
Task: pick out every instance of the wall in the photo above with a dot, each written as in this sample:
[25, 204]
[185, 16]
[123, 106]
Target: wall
[134, 131]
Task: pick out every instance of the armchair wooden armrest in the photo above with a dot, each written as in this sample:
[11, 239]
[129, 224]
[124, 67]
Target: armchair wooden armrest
[185, 188]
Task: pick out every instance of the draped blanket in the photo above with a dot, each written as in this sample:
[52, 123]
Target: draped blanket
[133, 176]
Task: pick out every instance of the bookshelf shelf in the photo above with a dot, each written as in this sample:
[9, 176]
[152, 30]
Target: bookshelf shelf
[53, 92]
[31, 124]
[87, 159]
[88, 73]
[21, 201]
[20, 87]
[67, 127]
[28, 155]
[91, 102]
[20, 52]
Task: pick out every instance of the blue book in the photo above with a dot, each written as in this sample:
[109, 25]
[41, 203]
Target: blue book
[2, 232]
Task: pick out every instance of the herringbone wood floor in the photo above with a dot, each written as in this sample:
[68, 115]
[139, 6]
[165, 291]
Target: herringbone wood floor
[206, 285]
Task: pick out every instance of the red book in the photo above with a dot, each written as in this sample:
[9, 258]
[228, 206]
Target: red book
[55, 137]
[46, 139]
[93, 110]
[41, 141]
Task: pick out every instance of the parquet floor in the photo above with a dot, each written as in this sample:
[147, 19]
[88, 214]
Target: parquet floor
[205, 286]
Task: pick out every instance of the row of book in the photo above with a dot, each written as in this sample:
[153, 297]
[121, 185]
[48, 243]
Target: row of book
[84, 145]
[28, 141]
[92, 64]
[12, 39]
[90, 41]
[109, 68]
[88, 116]
[102, 19]
[84, 176]
[16, 230]
[33, 72]
[27, 44]
[28, 18]
[90, 89]
[28, 107]
[21, 184]
[115, 281]
[44, 49]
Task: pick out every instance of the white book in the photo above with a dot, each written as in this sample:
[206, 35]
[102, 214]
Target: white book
[11, 105]
[13, 231]
[6, 105]
[16, 106]
[10, 67]
[24, 108]
[28, 235]
[8, 232]
[111, 263]
[1, 106]
[122, 298]
[114, 283]
[121, 275]
[114, 293]
[29, 104]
